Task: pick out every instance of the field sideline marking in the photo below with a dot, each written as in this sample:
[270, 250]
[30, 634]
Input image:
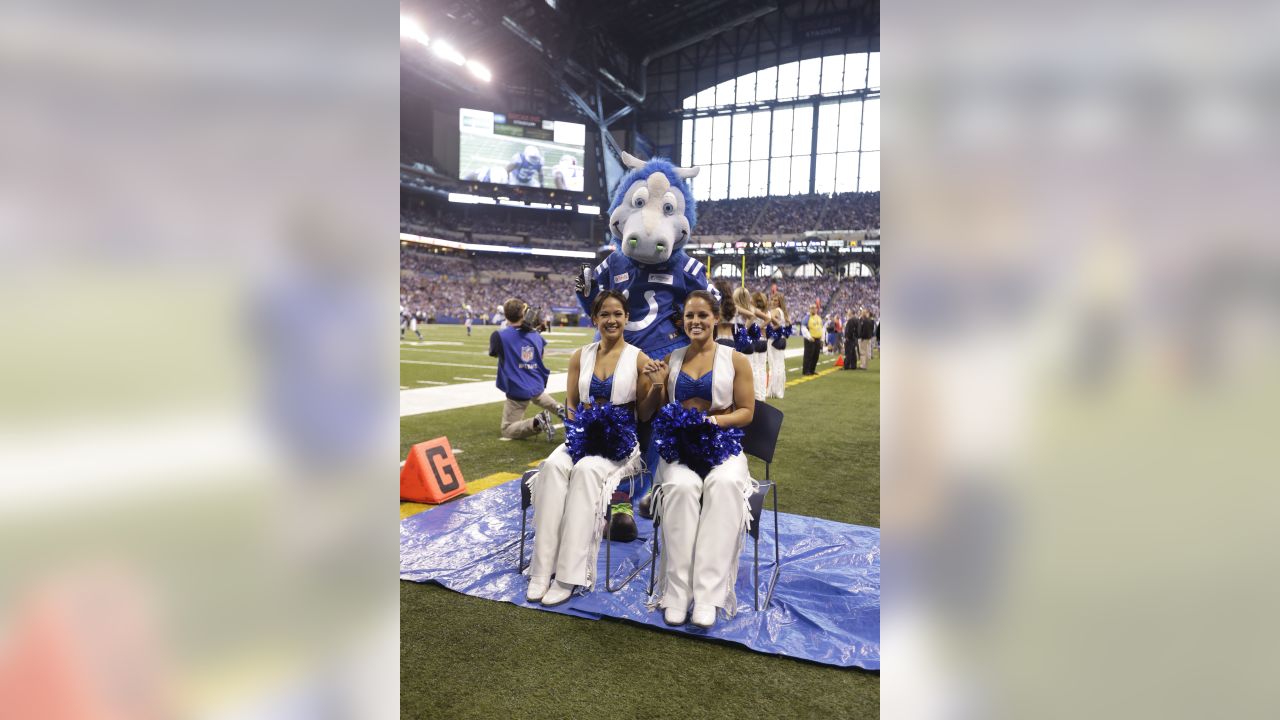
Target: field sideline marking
[412, 508]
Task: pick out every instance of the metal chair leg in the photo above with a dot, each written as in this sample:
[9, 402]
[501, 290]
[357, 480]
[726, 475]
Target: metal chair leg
[520, 559]
[653, 558]
[608, 559]
[777, 550]
[756, 584]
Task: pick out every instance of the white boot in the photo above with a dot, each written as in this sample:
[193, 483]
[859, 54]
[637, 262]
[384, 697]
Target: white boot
[537, 588]
[559, 592]
[674, 615]
[704, 616]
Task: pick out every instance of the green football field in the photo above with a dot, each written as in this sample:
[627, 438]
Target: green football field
[447, 355]
[463, 657]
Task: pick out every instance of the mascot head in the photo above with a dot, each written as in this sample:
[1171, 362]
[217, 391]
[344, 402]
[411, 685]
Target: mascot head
[653, 210]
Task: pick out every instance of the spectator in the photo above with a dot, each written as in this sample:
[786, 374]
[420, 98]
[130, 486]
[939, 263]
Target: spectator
[811, 331]
[851, 342]
[866, 332]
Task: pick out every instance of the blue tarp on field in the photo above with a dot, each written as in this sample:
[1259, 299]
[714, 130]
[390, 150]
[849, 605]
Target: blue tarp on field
[826, 607]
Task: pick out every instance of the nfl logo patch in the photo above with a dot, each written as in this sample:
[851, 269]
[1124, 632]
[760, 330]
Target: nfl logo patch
[526, 353]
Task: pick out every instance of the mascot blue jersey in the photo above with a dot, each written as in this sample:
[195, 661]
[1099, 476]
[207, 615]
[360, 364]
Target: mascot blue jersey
[654, 294]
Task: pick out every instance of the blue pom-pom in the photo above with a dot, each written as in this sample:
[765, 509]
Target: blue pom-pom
[683, 435]
[742, 342]
[606, 430]
[753, 332]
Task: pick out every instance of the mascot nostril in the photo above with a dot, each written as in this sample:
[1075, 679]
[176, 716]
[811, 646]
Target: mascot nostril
[654, 282]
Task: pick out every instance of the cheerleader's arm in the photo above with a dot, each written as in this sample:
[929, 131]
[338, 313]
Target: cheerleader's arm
[744, 395]
[571, 391]
[649, 394]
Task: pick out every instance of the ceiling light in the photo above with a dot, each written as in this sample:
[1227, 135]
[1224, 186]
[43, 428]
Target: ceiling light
[409, 28]
[446, 51]
[479, 70]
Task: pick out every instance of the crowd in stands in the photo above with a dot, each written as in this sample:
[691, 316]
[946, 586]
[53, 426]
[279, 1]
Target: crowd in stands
[555, 225]
[445, 284]
[852, 211]
[789, 214]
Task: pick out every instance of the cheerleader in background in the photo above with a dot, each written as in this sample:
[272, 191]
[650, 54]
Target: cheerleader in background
[725, 328]
[750, 330]
[609, 382]
[780, 328]
[702, 500]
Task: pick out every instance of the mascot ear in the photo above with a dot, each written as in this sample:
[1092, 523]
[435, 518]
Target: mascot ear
[631, 161]
[686, 173]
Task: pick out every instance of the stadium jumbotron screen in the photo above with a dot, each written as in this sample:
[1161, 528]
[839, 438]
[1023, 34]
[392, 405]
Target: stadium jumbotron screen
[519, 149]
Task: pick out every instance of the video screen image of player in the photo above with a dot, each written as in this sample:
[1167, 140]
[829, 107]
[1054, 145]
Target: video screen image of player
[517, 149]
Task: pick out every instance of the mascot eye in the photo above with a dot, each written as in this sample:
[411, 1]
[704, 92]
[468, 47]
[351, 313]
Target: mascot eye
[638, 202]
[668, 208]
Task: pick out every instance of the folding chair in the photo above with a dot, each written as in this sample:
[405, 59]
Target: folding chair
[759, 440]
[526, 501]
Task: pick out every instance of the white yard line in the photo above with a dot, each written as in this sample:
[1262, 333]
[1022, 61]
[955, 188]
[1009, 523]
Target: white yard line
[429, 342]
[444, 364]
[468, 379]
[452, 397]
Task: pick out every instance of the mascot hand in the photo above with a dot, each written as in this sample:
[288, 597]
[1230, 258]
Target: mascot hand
[583, 281]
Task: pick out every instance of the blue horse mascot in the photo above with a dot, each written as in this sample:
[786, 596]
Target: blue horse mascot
[650, 221]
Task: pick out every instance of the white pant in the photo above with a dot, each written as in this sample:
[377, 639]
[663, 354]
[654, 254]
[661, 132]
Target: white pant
[777, 371]
[758, 374]
[568, 514]
[703, 522]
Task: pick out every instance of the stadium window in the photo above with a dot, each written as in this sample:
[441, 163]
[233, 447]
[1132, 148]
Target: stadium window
[810, 75]
[741, 143]
[766, 270]
[871, 126]
[808, 270]
[846, 172]
[787, 80]
[800, 175]
[739, 173]
[855, 71]
[780, 176]
[828, 126]
[719, 182]
[759, 183]
[741, 137]
[702, 141]
[726, 270]
[686, 143]
[824, 179]
[832, 74]
[720, 130]
[760, 135]
[857, 269]
[802, 131]
[746, 89]
[782, 132]
[725, 92]
[766, 84]
[869, 172]
[850, 124]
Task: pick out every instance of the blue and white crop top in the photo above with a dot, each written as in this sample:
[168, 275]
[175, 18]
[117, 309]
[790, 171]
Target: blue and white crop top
[601, 389]
[687, 388]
